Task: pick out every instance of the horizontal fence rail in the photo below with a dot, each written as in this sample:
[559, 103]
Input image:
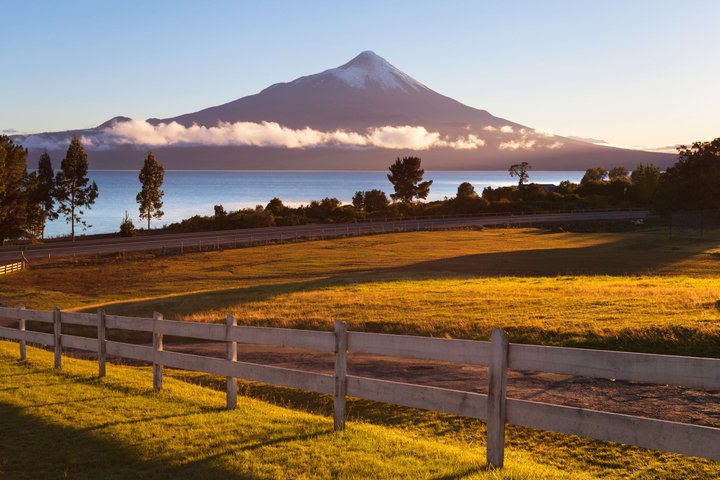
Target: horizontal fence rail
[12, 267]
[498, 354]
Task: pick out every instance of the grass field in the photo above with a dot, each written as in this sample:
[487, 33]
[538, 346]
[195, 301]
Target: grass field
[631, 291]
[636, 291]
[69, 424]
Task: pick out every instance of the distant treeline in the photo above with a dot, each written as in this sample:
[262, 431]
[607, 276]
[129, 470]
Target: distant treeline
[596, 190]
[29, 200]
[692, 183]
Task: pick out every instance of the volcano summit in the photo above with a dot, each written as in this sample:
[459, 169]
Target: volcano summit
[358, 116]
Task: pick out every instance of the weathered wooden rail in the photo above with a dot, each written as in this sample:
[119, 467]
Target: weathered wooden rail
[12, 268]
[498, 354]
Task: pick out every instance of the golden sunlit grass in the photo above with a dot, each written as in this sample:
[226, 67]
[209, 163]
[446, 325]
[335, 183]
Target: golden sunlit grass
[69, 424]
[634, 291]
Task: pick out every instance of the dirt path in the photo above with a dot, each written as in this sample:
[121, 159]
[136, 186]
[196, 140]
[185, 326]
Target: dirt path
[664, 402]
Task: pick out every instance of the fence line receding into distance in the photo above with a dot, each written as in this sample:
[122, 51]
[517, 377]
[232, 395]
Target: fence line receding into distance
[498, 354]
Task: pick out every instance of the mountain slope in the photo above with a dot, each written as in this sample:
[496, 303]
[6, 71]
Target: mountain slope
[358, 116]
[365, 92]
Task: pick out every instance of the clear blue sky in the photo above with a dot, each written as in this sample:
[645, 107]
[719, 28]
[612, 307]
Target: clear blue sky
[634, 72]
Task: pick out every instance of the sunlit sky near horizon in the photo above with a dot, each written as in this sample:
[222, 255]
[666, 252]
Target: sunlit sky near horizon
[636, 73]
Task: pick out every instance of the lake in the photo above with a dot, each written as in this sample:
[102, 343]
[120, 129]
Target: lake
[188, 193]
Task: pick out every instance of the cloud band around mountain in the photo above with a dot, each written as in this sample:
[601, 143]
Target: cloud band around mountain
[140, 133]
[264, 134]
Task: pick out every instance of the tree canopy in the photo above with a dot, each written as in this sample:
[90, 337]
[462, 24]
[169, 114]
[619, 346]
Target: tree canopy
[371, 201]
[406, 177]
[13, 189]
[618, 173]
[520, 170]
[150, 196]
[693, 183]
[45, 191]
[73, 189]
[597, 174]
[645, 179]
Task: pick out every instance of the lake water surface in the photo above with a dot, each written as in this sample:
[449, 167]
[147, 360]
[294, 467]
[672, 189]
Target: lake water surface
[188, 193]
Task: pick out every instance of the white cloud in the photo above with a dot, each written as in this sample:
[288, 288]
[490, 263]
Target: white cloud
[470, 142]
[271, 134]
[540, 132]
[530, 139]
[415, 138]
[521, 144]
[263, 134]
[506, 129]
[490, 128]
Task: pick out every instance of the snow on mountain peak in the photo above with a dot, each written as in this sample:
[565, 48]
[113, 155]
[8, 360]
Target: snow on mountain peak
[370, 67]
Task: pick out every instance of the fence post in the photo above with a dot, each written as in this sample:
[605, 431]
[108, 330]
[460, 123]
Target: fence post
[21, 327]
[497, 390]
[231, 395]
[57, 336]
[340, 375]
[157, 347]
[102, 346]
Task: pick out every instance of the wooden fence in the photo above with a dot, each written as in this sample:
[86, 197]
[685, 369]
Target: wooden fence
[497, 354]
[11, 268]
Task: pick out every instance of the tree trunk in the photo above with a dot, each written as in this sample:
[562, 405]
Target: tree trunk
[72, 215]
[148, 222]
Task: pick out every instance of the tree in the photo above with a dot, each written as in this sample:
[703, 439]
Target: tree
[219, 211]
[73, 189]
[324, 209]
[358, 200]
[645, 179]
[618, 173]
[597, 175]
[13, 189]
[371, 201]
[150, 196]
[467, 200]
[276, 207]
[406, 177]
[693, 183]
[466, 191]
[45, 191]
[520, 170]
[34, 213]
[376, 201]
[127, 228]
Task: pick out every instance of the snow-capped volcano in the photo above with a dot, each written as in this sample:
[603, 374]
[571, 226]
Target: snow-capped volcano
[368, 68]
[357, 116]
[365, 92]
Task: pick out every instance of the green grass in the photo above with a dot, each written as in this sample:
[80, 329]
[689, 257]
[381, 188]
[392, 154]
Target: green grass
[630, 291]
[635, 291]
[69, 424]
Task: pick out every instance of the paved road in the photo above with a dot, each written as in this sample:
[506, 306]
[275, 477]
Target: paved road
[232, 238]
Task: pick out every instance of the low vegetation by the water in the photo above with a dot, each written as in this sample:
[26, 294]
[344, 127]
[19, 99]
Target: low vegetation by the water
[69, 424]
[635, 291]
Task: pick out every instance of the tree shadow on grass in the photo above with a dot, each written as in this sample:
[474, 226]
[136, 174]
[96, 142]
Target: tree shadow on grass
[626, 256]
